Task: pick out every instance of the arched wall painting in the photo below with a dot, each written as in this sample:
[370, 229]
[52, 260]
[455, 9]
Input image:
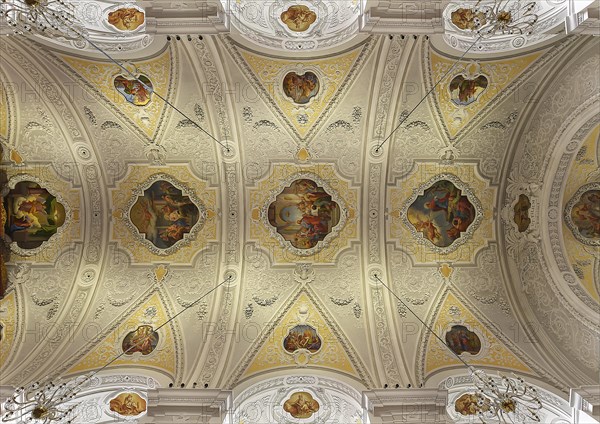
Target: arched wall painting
[304, 214]
[521, 209]
[302, 337]
[128, 404]
[301, 405]
[460, 339]
[298, 18]
[585, 215]
[441, 213]
[163, 214]
[143, 340]
[301, 88]
[464, 91]
[126, 18]
[33, 215]
[133, 90]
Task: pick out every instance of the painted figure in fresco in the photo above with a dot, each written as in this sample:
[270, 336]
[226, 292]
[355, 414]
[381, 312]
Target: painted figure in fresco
[144, 340]
[32, 214]
[301, 405]
[164, 214]
[465, 91]
[586, 214]
[134, 92]
[302, 337]
[467, 19]
[521, 210]
[441, 214]
[301, 88]
[468, 404]
[126, 19]
[304, 214]
[298, 18]
[128, 404]
[459, 339]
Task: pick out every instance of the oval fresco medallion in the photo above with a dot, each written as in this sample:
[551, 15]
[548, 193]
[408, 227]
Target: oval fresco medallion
[301, 405]
[128, 404]
[302, 337]
[301, 88]
[521, 213]
[304, 214]
[164, 215]
[32, 215]
[133, 90]
[442, 214]
[298, 18]
[143, 340]
[467, 19]
[460, 340]
[464, 91]
[582, 214]
[126, 18]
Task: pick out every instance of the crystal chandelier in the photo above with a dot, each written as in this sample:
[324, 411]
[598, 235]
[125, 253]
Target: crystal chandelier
[500, 17]
[43, 403]
[50, 18]
[501, 399]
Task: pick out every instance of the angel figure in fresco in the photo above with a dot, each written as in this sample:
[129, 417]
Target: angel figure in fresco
[467, 19]
[133, 90]
[127, 406]
[468, 404]
[298, 18]
[464, 91]
[301, 405]
[126, 19]
[142, 340]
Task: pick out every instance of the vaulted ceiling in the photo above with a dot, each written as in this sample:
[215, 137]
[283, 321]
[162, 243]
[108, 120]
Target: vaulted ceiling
[478, 212]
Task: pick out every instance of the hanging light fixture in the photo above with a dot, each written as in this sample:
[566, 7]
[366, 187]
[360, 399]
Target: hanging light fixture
[487, 19]
[44, 402]
[504, 399]
[50, 18]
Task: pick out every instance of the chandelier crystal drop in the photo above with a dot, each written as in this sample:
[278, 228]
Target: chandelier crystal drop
[505, 399]
[48, 18]
[504, 17]
[44, 403]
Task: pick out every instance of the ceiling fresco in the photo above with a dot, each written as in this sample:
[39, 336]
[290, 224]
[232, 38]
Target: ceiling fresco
[270, 231]
[580, 228]
[470, 86]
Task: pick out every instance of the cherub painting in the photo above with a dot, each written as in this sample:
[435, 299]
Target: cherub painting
[298, 18]
[302, 337]
[301, 88]
[32, 215]
[471, 404]
[143, 339]
[464, 91]
[304, 214]
[441, 213]
[163, 214]
[128, 404]
[126, 19]
[134, 91]
[467, 19]
[301, 405]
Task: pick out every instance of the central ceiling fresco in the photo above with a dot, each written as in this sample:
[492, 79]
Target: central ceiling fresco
[311, 181]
